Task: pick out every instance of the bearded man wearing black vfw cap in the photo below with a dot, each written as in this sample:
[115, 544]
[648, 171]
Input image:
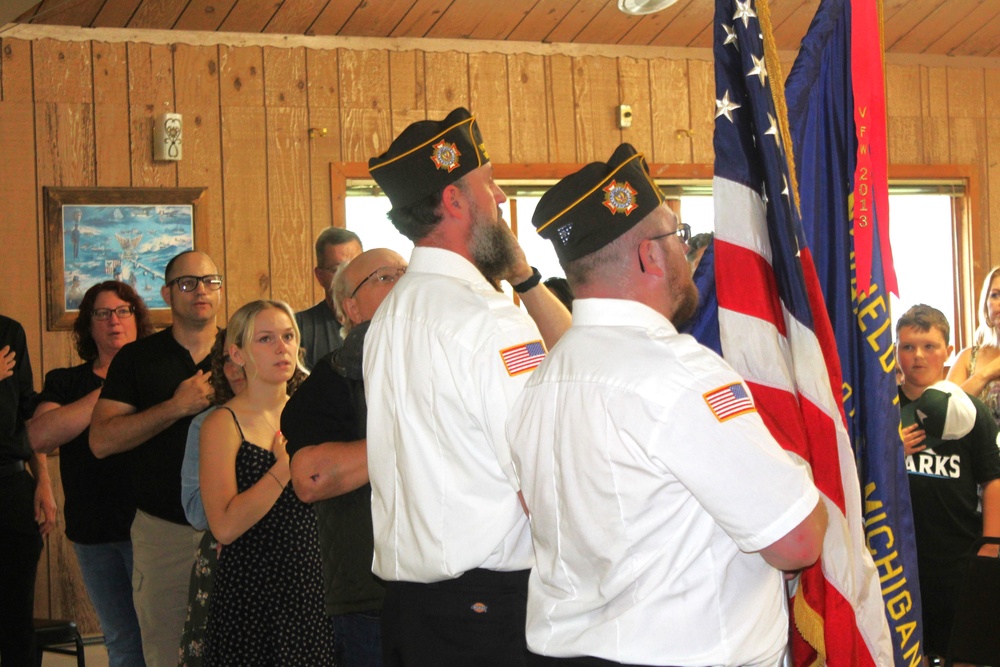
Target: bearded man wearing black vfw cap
[663, 511]
[445, 357]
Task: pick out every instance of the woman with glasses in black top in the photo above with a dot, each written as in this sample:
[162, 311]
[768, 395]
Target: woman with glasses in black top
[98, 510]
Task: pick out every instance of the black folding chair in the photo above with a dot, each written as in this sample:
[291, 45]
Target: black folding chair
[975, 635]
[58, 636]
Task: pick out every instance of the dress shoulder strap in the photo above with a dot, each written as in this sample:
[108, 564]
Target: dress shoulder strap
[235, 420]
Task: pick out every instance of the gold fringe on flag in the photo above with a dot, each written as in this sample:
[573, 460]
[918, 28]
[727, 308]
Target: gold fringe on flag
[810, 625]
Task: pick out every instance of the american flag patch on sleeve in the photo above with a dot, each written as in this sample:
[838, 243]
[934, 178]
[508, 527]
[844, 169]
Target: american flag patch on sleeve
[523, 358]
[730, 401]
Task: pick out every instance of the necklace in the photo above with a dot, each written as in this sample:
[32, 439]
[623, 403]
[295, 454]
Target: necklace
[269, 422]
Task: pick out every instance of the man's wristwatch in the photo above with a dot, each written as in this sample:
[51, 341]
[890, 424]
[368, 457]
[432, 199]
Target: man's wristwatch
[536, 277]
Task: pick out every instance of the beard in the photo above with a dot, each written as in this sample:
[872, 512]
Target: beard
[685, 297]
[492, 246]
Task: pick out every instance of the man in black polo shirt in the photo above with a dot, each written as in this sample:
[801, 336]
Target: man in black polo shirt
[325, 423]
[153, 389]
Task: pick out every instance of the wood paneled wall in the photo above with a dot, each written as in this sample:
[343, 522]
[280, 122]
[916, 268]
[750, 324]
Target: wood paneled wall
[78, 113]
[951, 115]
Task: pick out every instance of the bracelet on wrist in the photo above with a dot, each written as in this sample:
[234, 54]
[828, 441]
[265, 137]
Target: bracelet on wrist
[536, 277]
[276, 479]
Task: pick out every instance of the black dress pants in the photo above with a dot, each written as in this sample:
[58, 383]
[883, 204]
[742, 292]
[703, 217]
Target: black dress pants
[20, 547]
[476, 619]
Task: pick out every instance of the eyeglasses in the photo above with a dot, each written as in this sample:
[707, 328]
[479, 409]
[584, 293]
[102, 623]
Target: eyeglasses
[123, 313]
[212, 282]
[683, 232]
[384, 274]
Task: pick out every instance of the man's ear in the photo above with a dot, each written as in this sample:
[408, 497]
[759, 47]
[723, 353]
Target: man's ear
[453, 200]
[318, 272]
[352, 311]
[165, 293]
[653, 257]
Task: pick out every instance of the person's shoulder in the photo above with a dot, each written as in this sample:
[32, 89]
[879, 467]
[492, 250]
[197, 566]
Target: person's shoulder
[143, 348]
[962, 359]
[142, 354]
[159, 342]
[11, 331]
[697, 365]
[659, 368]
[69, 373]
[10, 324]
[685, 371]
[200, 418]
[441, 301]
[985, 424]
[964, 354]
[312, 312]
[982, 412]
[424, 287]
[318, 389]
[320, 410]
[220, 415]
[323, 376]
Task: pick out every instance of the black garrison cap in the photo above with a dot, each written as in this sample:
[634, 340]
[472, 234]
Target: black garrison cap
[428, 156]
[589, 209]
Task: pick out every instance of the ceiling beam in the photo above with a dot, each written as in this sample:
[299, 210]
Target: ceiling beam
[11, 9]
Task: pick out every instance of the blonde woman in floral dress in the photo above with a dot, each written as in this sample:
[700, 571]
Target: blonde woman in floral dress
[228, 379]
[267, 597]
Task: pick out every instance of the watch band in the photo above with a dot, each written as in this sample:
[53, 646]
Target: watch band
[536, 277]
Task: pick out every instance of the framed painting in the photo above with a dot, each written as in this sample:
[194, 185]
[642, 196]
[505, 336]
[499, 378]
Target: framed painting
[127, 234]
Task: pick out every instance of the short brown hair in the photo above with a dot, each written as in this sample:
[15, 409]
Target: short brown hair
[924, 318]
[334, 236]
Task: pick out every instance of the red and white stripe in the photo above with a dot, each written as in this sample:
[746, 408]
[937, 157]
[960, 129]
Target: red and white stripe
[788, 368]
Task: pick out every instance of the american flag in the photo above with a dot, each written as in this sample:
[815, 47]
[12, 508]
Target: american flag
[729, 401]
[834, 95]
[522, 358]
[775, 332]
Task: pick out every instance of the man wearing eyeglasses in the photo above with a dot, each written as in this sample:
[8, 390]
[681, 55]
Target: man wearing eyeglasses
[662, 510]
[153, 389]
[325, 422]
[446, 354]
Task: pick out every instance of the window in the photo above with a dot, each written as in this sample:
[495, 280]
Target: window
[366, 210]
[922, 241]
[930, 225]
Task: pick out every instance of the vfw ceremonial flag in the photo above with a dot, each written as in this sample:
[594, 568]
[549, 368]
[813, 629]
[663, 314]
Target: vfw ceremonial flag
[821, 112]
[774, 331]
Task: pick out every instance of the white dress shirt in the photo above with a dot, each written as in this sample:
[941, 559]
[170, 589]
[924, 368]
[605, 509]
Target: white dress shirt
[646, 502]
[444, 494]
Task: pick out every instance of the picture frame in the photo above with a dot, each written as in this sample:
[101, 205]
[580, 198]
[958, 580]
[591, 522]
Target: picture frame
[128, 234]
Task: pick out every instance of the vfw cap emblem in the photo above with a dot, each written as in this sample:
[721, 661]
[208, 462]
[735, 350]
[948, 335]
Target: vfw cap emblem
[620, 198]
[445, 155]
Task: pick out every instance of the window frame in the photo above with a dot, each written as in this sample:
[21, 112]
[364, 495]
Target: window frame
[970, 251]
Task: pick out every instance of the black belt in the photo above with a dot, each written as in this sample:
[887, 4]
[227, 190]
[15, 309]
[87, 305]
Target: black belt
[8, 469]
[516, 580]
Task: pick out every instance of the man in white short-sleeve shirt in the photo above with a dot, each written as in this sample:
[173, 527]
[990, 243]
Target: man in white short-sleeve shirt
[663, 512]
[445, 357]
